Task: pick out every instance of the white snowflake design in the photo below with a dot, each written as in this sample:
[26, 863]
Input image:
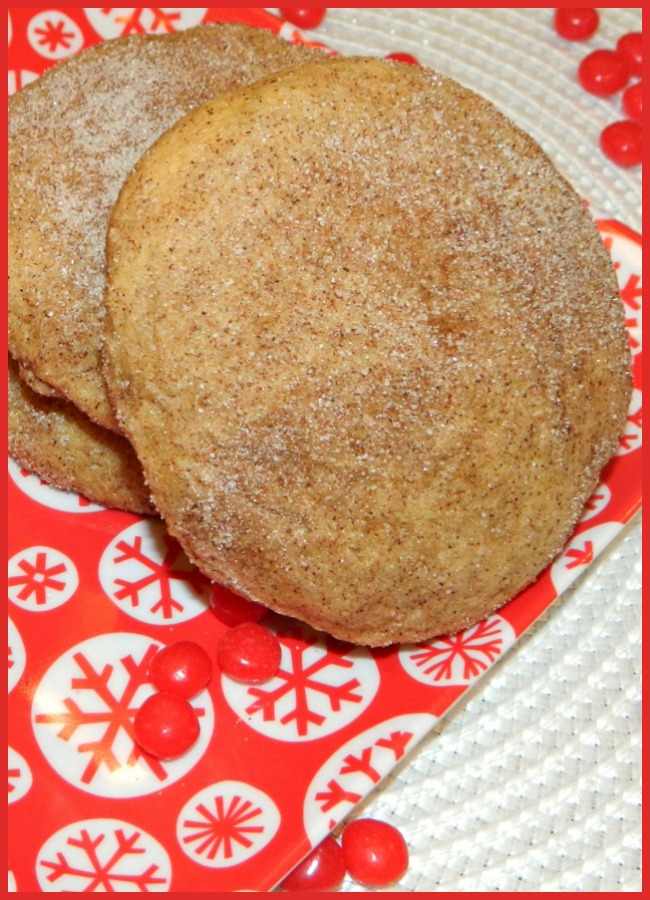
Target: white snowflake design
[103, 856]
[111, 22]
[18, 78]
[226, 824]
[580, 552]
[83, 711]
[459, 659]
[598, 502]
[16, 657]
[356, 768]
[144, 572]
[627, 259]
[632, 437]
[31, 485]
[322, 685]
[19, 776]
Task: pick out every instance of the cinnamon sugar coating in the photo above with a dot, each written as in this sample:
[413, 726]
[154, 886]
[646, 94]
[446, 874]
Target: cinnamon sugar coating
[74, 135]
[368, 346]
[55, 440]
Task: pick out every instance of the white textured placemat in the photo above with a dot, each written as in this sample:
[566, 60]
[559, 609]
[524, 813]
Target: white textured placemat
[533, 783]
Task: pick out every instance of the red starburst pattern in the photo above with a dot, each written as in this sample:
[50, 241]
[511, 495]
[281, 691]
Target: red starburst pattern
[53, 35]
[38, 579]
[227, 823]
[218, 831]
[89, 860]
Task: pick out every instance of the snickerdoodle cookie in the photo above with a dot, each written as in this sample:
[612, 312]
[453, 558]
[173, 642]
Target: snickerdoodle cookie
[74, 135]
[368, 347]
[56, 441]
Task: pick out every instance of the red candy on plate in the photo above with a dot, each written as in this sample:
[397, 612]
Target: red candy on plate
[576, 24]
[166, 726]
[183, 668]
[622, 142]
[604, 72]
[630, 46]
[303, 18]
[375, 853]
[322, 870]
[233, 609]
[633, 102]
[250, 653]
[403, 58]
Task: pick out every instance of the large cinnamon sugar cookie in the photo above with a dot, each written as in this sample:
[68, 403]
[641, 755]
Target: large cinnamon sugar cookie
[368, 346]
[73, 137]
[54, 439]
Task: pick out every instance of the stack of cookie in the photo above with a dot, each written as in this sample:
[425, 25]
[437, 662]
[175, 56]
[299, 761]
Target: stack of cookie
[360, 335]
[74, 136]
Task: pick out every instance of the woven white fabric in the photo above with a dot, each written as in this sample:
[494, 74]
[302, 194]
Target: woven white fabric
[533, 782]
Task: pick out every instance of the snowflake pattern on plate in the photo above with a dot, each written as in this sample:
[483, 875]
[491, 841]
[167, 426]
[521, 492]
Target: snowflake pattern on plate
[82, 716]
[38, 490]
[18, 78]
[145, 572]
[226, 824]
[19, 776]
[597, 503]
[356, 768]
[322, 686]
[580, 552]
[41, 578]
[54, 35]
[112, 22]
[16, 657]
[103, 856]
[460, 658]
[627, 259]
[632, 438]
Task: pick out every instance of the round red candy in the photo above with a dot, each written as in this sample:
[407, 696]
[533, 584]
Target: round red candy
[631, 47]
[322, 870]
[576, 24]
[403, 58]
[183, 668]
[633, 102]
[375, 853]
[622, 142]
[303, 18]
[604, 72]
[166, 726]
[232, 609]
[248, 652]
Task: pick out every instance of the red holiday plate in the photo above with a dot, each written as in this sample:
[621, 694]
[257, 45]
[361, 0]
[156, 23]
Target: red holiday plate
[93, 594]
